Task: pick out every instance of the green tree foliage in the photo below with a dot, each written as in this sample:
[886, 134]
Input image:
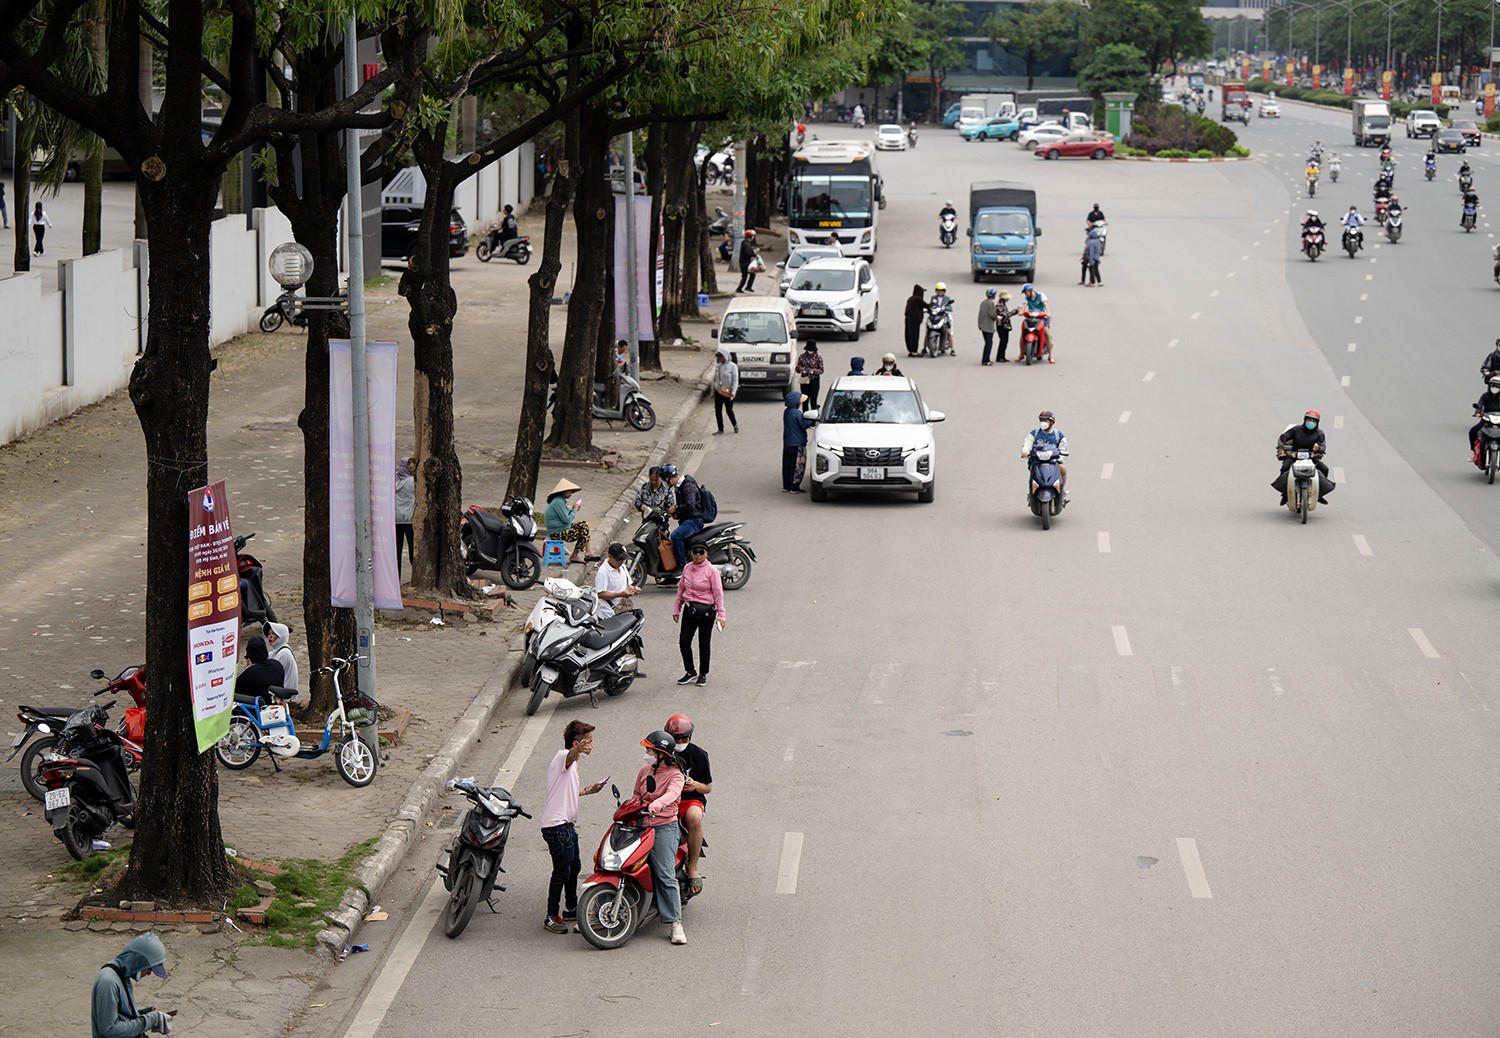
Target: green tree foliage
[1162, 29]
[1116, 66]
[936, 26]
[1033, 32]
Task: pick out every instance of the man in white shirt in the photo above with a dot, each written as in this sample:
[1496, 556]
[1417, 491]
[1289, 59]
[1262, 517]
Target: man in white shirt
[559, 824]
[613, 583]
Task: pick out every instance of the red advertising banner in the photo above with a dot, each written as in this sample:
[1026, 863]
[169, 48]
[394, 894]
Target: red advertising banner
[213, 618]
[1265, 71]
[1291, 72]
[1489, 99]
[1437, 88]
[1348, 82]
[1385, 84]
[1244, 68]
[1317, 77]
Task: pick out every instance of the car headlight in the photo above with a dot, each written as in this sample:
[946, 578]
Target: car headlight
[611, 861]
[977, 249]
[924, 464]
[847, 311]
[866, 236]
[820, 464]
[781, 358]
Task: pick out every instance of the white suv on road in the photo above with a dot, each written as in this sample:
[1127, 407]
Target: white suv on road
[1423, 123]
[835, 295]
[874, 433]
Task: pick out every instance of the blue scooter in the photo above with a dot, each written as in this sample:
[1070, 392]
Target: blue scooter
[1045, 495]
[257, 724]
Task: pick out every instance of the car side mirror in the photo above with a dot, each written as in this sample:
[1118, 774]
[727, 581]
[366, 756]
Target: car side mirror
[781, 263]
[1038, 232]
[969, 231]
[713, 333]
[811, 415]
[935, 416]
[865, 289]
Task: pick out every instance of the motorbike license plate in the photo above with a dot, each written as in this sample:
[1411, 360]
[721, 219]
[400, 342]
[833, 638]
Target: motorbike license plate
[871, 472]
[272, 715]
[57, 799]
[549, 674]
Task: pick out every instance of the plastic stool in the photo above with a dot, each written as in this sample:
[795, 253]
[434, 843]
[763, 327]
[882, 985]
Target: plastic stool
[555, 553]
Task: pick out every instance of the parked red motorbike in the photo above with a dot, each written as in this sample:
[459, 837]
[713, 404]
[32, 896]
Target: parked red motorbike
[46, 724]
[618, 898]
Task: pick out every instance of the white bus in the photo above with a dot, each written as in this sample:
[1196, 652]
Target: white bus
[834, 188]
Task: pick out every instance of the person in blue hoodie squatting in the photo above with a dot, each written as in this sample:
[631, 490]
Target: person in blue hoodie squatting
[794, 426]
[115, 1014]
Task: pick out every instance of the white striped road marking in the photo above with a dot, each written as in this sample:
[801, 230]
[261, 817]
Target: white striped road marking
[1358, 319]
[1213, 293]
[1172, 344]
[1122, 641]
[1337, 473]
[1104, 544]
[1369, 277]
[1124, 417]
[1196, 314]
[1352, 346]
[791, 861]
[1230, 274]
[1361, 545]
[1344, 381]
[1256, 244]
[1363, 296]
[1242, 259]
[1109, 471]
[1192, 866]
[1149, 376]
[1422, 642]
[367, 1022]
[788, 753]
[1373, 259]
[1338, 421]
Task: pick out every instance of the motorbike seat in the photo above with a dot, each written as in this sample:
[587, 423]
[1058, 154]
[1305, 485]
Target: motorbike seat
[51, 711]
[609, 629]
[708, 533]
[489, 520]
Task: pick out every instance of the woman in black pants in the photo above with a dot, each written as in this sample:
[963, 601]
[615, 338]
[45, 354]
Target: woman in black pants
[916, 312]
[699, 608]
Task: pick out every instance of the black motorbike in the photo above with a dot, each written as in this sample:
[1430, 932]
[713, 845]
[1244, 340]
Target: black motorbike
[255, 604]
[288, 307]
[718, 227]
[88, 793]
[587, 658]
[727, 550]
[473, 862]
[490, 246]
[504, 542]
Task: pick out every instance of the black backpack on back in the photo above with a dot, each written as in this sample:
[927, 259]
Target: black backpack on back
[707, 504]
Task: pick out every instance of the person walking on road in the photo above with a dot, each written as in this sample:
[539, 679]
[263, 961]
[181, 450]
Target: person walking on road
[40, 221]
[748, 255]
[794, 426]
[560, 824]
[916, 312]
[810, 373]
[725, 388]
[114, 1012]
[987, 317]
[1093, 251]
[1003, 313]
[699, 609]
[658, 787]
[406, 506]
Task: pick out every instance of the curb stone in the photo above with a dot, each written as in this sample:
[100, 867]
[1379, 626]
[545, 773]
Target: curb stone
[393, 843]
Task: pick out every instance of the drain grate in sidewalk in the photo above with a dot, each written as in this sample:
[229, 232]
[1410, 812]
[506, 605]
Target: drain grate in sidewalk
[691, 447]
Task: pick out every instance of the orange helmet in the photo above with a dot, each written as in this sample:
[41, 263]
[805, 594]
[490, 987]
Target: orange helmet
[679, 726]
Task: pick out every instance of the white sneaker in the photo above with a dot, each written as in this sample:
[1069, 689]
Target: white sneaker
[678, 937]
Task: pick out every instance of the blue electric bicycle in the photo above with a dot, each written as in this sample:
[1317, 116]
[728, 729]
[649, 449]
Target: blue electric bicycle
[258, 723]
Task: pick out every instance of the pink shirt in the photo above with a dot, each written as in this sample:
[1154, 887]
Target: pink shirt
[561, 805]
[700, 583]
[662, 803]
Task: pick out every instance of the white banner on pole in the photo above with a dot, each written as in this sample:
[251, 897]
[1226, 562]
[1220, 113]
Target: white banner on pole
[381, 379]
[642, 269]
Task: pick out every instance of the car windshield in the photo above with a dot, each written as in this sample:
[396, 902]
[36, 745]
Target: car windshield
[825, 280]
[799, 257]
[753, 327]
[1002, 223]
[891, 130]
[872, 407]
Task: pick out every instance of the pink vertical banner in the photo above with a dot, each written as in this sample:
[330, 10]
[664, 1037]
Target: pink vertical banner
[380, 378]
[643, 270]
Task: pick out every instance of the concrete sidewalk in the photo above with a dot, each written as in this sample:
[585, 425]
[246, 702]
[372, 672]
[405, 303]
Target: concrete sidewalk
[72, 519]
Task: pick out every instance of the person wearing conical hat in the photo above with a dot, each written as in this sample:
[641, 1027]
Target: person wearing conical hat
[563, 523]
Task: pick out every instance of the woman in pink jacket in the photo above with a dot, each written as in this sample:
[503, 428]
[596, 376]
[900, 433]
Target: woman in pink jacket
[699, 608]
[658, 787]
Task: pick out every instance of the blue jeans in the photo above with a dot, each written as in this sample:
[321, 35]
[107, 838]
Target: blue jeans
[664, 872]
[562, 842]
[685, 529]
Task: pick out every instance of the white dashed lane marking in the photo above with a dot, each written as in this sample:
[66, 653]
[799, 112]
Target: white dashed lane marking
[1108, 471]
[1352, 346]
[1104, 544]
[1338, 421]
[1172, 344]
[1149, 376]
[791, 861]
[1422, 643]
[1344, 381]
[1124, 417]
[1360, 544]
[1122, 641]
[1192, 867]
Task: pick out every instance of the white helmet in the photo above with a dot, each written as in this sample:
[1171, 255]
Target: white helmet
[1312, 213]
[940, 287]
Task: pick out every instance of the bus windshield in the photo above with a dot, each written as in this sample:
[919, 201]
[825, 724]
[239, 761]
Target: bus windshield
[844, 197]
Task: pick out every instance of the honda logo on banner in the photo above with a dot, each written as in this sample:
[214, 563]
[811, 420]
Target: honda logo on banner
[380, 378]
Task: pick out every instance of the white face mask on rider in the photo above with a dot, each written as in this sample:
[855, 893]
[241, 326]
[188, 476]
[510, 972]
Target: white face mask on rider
[649, 758]
[681, 746]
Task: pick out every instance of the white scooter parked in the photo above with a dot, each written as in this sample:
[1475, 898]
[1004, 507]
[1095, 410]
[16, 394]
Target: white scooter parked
[563, 598]
[1102, 226]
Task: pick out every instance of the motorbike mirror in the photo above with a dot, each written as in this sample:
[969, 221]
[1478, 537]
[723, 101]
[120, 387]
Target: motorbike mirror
[615, 790]
[1038, 232]
[650, 784]
[44, 728]
[97, 674]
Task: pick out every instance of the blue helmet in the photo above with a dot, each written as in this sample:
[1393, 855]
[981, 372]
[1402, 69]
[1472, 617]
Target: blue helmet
[989, 293]
[1026, 287]
[668, 471]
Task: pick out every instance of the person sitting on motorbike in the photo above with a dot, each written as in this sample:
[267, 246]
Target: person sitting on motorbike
[1352, 222]
[1464, 170]
[1488, 403]
[508, 227]
[1317, 149]
[1303, 436]
[1495, 253]
[1334, 165]
[1312, 170]
[1430, 161]
[1382, 190]
[1312, 220]
[661, 799]
[942, 300]
[1491, 364]
[697, 783]
[1048, 435]
[1385, 152]
[1393, 208]
[888, 365]
[1034, 302]
[1096, 215]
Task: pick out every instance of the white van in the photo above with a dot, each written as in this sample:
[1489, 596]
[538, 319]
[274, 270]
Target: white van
[758, 332]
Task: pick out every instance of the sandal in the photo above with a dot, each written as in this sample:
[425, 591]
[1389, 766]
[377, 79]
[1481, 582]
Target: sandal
[695, 885]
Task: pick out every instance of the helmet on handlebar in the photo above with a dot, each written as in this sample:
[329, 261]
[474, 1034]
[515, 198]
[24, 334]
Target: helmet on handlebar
[680, 726]
[661, 742]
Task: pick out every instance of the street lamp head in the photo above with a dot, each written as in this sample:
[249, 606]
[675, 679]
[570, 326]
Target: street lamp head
[291, 265]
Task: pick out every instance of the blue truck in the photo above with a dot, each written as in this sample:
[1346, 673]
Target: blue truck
[1002, 229]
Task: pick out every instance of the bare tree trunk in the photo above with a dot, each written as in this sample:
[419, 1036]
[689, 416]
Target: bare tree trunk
[428, 287]
[145, 92]
[678, 196]
[20, 193]
[93, 170]
[698, 242]
[526, 462]
[587, 149]
[656, 150]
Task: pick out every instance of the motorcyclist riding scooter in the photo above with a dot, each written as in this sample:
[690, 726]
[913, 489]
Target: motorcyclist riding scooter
[1352, 222]
[948, 224]
[1304, 436]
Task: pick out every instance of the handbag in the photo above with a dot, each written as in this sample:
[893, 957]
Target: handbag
[665, 552]
[757, 266]
[701, 610]
[723, 391]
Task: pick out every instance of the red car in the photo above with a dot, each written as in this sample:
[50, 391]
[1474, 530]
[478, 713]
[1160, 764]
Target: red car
[1090, 145]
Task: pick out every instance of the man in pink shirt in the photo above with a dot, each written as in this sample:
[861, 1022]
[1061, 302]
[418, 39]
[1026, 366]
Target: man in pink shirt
[559, 823]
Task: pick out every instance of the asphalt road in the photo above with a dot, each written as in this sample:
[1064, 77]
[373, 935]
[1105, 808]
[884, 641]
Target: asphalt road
[1178, 766]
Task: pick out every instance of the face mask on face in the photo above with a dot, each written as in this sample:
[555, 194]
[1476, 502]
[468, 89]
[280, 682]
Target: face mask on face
[681, 746]
[1310, 426]
[649, 758]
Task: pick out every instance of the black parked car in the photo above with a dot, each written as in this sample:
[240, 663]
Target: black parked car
[1448, 140]
[398, 231]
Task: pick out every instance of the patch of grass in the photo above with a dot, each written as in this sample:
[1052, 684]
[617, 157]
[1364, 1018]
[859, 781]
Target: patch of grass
[94, 866]
[244, 897]
[378, 280]
[320, 885]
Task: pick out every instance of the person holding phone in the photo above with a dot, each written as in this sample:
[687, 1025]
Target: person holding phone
[560, 824]
[114, 1012]
[699, 608]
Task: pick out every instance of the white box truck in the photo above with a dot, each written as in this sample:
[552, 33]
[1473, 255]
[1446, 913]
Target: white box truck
[993, 104]
[1372, 122]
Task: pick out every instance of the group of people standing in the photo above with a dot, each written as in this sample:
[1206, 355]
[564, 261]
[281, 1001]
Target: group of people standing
[995, 313]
